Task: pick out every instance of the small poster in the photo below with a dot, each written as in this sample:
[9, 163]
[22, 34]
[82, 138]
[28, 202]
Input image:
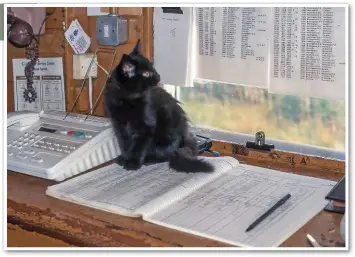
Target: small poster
[48, 85]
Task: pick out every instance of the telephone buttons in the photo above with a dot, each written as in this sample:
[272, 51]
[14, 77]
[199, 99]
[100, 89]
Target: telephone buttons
[31, 152]
[78, 134]
[21, 156]
[37, 159]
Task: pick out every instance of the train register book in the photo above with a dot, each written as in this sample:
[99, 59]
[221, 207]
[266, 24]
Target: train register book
[219, 205]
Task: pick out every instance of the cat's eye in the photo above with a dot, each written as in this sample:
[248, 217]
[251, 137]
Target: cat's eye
[146, 74]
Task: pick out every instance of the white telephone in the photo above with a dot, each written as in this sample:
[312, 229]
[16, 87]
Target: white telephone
[48, 146]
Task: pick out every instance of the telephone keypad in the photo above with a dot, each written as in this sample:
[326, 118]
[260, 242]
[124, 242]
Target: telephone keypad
[51, 144]
[56, 145]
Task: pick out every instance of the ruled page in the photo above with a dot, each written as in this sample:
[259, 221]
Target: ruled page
[132, 193]
[224, 208]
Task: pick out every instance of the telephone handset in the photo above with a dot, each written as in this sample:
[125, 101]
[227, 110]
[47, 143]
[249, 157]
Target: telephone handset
[21, 120]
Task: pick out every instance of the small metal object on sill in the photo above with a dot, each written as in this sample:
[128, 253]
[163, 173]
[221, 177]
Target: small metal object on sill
[259, 143]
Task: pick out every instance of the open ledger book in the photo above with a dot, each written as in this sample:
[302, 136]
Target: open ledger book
[218, 205]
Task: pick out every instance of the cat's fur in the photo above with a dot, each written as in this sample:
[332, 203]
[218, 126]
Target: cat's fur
[149, 123]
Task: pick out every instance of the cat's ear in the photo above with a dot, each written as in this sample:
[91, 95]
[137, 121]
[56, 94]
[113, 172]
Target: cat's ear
[127, 67]
[137, 49]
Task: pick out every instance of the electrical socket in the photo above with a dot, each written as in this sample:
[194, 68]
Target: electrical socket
[81, 64]
[111, 30]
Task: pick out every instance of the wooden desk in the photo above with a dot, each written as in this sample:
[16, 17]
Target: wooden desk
[52, 222]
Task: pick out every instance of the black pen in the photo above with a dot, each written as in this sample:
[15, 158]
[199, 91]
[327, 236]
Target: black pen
[271, 210]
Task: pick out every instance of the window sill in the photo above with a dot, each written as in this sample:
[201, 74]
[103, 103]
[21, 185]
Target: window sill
[239, 138]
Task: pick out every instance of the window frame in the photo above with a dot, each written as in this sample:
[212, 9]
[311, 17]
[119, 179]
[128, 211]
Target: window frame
[240, 138]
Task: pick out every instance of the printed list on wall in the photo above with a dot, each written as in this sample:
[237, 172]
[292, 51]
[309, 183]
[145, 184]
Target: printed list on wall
[233, 45]
[308, 51]
[297, 51]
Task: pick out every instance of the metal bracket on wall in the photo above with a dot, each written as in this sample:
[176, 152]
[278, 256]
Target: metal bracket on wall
[98, 50]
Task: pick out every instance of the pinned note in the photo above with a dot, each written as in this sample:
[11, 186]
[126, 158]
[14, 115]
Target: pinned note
[172, 44]
[77, 38]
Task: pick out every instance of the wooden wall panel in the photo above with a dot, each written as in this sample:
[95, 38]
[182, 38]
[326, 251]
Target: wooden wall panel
[130, 11]
[148, 32]
[55, 21]
[136, 27]
[54, 44]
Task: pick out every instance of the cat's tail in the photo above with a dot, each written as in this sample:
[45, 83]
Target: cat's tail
[184, 160]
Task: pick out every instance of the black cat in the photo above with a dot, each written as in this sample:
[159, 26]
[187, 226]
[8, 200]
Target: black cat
[149, 123]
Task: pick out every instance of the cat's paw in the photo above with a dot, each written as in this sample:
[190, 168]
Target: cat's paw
[132, 164]
[120, 160]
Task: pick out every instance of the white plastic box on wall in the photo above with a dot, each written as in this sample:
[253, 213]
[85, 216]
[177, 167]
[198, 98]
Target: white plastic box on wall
[81, 64]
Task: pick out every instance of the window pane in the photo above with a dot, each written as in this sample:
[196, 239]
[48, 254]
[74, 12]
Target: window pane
[294, 119]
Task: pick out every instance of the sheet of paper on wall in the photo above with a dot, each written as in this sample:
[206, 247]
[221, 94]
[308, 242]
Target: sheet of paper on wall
[48, 83]
[97, 11]
[173, 45]
[77, 38]
[233, 45]
[308, 52]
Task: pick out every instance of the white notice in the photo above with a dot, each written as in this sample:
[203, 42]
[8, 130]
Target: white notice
[172, 45]
[48, 82]
[308, 51]
[233, 45]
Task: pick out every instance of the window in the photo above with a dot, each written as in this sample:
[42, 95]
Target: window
[299, 61]
[310, 121]
[235, 113]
